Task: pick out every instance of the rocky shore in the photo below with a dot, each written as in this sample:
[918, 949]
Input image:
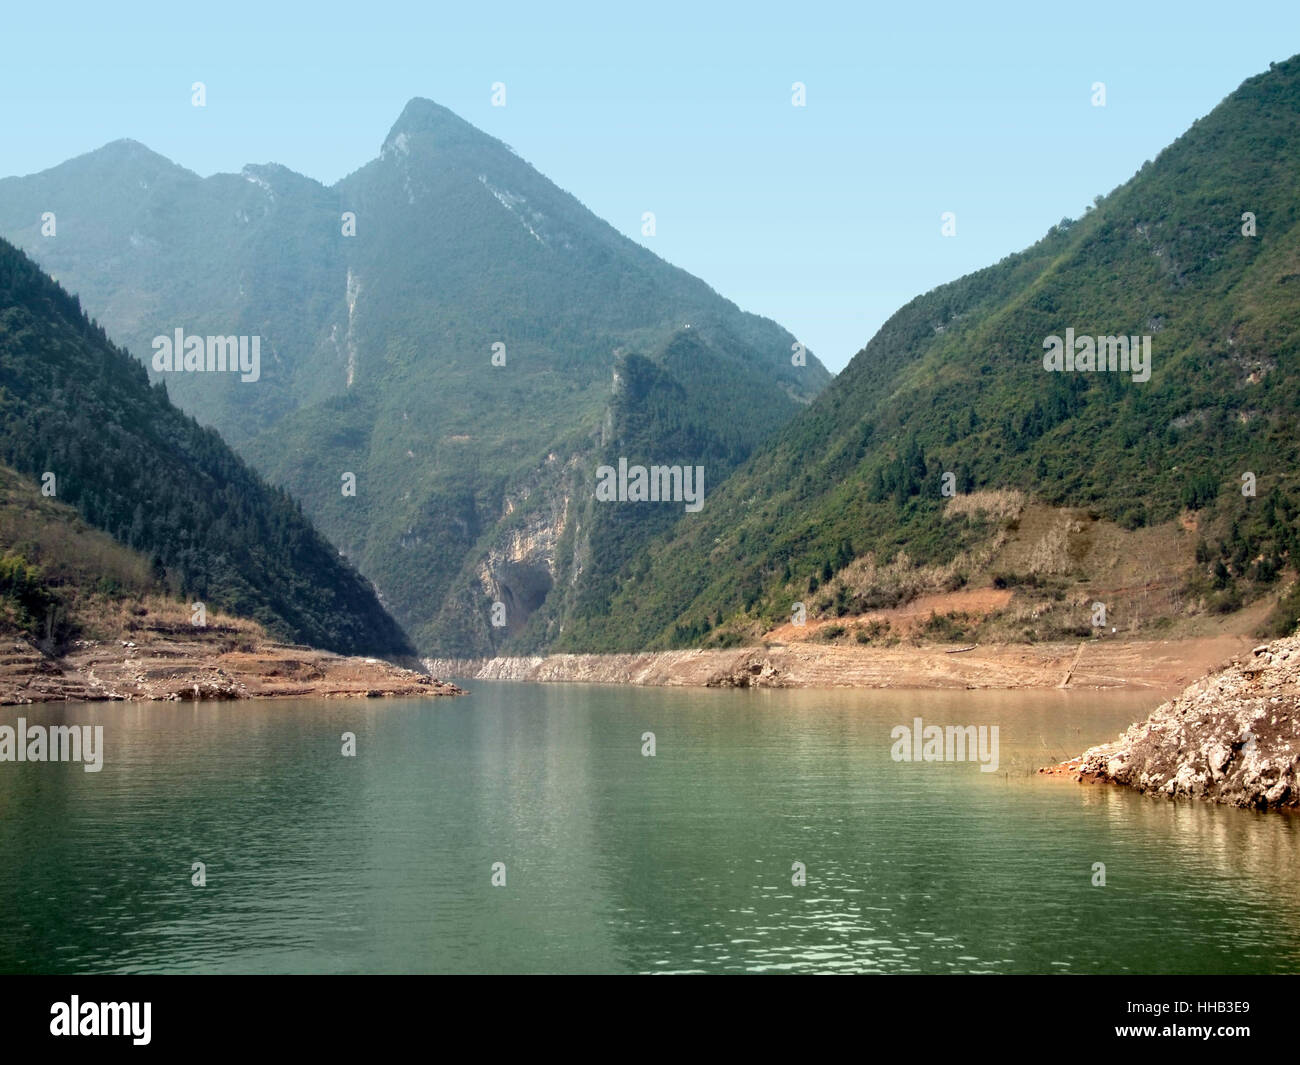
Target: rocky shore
[164, 661]
[1231, 737]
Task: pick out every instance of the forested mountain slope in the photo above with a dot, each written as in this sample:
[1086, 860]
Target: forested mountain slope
[1199, 251]
[449, 327]
[78, 415]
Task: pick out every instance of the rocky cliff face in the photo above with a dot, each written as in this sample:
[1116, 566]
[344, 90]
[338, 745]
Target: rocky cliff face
[531, 558]
[1232, 737]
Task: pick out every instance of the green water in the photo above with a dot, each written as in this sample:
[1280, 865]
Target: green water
[616, 862]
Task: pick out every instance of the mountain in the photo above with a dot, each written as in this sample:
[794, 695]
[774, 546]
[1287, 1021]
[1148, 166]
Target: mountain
[474, 480]
[1200, 252]
[79, 415]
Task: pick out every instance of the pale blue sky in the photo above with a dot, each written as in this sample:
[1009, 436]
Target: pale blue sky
[826, 218]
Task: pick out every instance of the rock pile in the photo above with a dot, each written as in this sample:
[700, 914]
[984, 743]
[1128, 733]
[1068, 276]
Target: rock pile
[1231, 737]
[754, 671]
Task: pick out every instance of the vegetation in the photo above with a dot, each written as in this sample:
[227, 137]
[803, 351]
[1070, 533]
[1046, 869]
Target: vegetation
[953, 382]
[475, 480]
[74, 406]
[59, 577]
[377, 358]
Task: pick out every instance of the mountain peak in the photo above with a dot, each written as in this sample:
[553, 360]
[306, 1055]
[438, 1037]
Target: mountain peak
[121, 158]
[125, 149]
[422, 118]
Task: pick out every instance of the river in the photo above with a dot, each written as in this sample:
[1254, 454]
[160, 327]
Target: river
[614, 860]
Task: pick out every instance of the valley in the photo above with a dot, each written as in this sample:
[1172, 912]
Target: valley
[666, 518]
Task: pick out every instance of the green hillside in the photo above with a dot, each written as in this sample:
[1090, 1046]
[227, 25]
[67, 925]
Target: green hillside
[74, 406]
[57, 575]
[954, 382]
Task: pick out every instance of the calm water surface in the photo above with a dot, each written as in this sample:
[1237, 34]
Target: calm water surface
[617, 862]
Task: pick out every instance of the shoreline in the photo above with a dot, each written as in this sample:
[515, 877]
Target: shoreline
[1093, 664]
[171, 664]
[1232, 737]
[174, 663]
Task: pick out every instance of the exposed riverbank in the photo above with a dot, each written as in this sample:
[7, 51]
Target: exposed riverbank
[163, 660]
[1160, 665]
[1232, 737]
